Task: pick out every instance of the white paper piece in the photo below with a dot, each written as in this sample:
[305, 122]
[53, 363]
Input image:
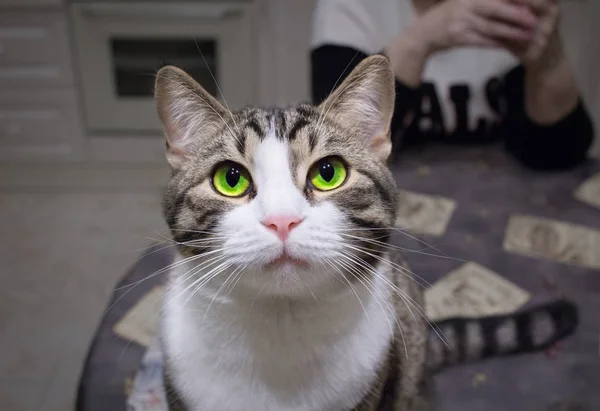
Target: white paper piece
[589, 191]
[424, 214]
[140, 324]
[148, 390]
[553, 240]
[472, 290]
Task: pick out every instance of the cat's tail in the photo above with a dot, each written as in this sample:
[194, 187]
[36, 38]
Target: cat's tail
[468, 339]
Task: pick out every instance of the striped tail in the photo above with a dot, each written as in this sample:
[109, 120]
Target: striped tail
[470, 339]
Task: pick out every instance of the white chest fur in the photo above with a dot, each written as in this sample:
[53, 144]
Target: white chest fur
[275, 355]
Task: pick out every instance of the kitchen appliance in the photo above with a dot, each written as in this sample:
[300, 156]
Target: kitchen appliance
[120, 45]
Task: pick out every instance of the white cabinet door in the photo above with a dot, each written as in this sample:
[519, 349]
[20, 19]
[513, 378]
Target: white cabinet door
[30, 3]
[38, 124]
[34, 49]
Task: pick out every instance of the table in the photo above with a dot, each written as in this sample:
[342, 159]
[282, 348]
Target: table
[488, 186]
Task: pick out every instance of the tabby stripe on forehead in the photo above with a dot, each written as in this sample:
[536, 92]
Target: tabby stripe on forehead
[312, 141]
[298, 125]
[280, 125]
[240, 143]
[254, 126]
[305, 112]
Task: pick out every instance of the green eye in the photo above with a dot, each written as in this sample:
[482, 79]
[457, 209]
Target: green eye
[231, 180]
[327, 174]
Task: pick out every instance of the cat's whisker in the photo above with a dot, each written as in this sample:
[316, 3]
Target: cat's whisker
[352, 288]
[191, 276]
[144, 251]
[214, 259]
[403, 249]
[310, 291]
[191, 230]
[407, 299]
[398, 230]
[405, 271]
[195, 270]
[171, 266]
[146, 278]
[220, 269]
[133, 285]
[258, 294]
[239, 277]
[216, 83]
[406, 250]
[201, 240]
[365, 265]
[334, 86]
[340, 93]
[358, 275]
[204, 279]
[352, 265]
[231, 275]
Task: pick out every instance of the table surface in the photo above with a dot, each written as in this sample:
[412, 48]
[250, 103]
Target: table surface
[477, 179]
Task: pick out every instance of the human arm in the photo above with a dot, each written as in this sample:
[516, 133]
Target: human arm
[450, 24]
[548, 126]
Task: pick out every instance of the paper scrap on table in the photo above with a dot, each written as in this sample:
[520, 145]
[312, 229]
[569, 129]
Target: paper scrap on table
[589, 191]
[128, 386]
[424, 170]
[479, 379]
[472, 290]
[148, 387]
[553, 240]
[141, 322]
[424, 214]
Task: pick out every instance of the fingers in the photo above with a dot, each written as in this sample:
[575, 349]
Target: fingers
[475, 39]
[501, 31]
[508, 12]
[536, 5]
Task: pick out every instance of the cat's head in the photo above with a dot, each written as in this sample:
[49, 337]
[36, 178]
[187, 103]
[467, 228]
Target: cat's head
[293, 199]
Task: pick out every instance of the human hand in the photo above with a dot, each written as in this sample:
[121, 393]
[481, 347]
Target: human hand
[491, 23]
[544, 48]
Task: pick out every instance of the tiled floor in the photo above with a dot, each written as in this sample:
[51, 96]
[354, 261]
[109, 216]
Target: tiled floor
[67, 235]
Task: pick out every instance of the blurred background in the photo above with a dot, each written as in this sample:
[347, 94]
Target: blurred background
[82, 157]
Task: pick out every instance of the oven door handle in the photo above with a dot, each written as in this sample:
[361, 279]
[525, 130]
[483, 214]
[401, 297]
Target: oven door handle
[202, 11]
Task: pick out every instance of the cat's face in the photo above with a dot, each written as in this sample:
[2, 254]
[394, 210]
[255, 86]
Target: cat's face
[285, 201]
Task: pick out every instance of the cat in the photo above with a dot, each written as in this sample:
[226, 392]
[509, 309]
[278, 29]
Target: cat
[286, 293]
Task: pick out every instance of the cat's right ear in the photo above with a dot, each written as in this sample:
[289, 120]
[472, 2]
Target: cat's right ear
[187, 112]
[364, 104]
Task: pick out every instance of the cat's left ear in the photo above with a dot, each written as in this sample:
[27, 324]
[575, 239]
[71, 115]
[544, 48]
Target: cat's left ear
[364, 103]
[188, 113]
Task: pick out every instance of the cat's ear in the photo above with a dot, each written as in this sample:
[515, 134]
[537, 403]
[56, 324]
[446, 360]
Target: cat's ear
[187, 112]
[364, 103]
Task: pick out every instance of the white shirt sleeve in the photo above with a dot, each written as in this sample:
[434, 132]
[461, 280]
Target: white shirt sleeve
[360, 24]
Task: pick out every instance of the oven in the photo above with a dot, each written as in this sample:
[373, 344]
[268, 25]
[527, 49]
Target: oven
[120, 45]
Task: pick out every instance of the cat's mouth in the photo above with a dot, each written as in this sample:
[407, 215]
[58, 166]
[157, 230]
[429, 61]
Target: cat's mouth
[286, 259]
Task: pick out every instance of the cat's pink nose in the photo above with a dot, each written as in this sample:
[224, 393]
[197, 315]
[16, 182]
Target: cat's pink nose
[281, 225]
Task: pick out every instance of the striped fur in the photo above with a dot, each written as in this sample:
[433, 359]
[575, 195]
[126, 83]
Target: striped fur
[532, 330]
[343, 330]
